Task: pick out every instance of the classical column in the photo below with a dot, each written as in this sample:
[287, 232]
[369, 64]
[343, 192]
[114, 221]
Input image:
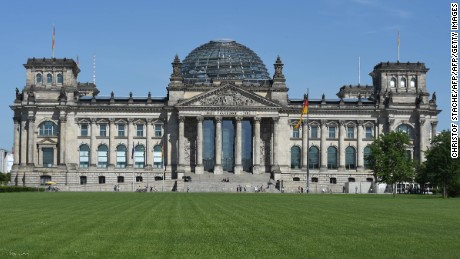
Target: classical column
[305, 129]
[275, 142]
[421, 133]
[62, 138]
[323, 146]
[342, 145]
[148, 143]
[24, 148]
[130, 142]
[30, 140]
[238, 147]
[113, 147]
[199, 169]
[218, 166]
[360, 148]
[256, 167]
[93, 147]
[181, 145]
[17, 129]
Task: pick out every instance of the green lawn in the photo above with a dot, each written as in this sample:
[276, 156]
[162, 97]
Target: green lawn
[201, 225]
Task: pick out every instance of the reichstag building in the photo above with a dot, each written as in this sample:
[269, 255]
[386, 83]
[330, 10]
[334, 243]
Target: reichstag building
[223, 115]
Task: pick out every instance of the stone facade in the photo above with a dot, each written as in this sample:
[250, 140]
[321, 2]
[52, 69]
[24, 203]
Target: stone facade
[66, 133]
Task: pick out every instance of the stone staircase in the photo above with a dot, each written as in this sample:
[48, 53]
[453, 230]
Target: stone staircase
[209, 182]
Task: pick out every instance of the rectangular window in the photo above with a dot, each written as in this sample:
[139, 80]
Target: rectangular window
[140, 130]
[84, 130]
[120, 179]
[103, 130]
[368, 132]
[83, 180]
[295, 132]
[350, 132]
[101, 179]
[331, 132]
[121, 130]
[48, 157]
[314, 132]
[158, 130]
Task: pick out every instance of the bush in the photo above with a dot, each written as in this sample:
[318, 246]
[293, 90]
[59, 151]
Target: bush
[20, 189]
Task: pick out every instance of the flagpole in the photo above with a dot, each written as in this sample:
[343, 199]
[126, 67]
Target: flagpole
[399, 43]
[52, 42]
[308, 147]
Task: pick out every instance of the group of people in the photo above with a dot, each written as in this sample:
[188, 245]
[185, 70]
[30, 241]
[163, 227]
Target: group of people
[240, 188]
[226, 180]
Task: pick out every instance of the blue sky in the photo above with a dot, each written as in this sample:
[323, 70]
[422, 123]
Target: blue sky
[136, 41]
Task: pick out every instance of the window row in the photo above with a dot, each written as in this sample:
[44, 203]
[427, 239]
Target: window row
[402, 82]
[333, 132]
[120, 179]
[137, 154]
[49, 79]
[332, 157]
[121, 130]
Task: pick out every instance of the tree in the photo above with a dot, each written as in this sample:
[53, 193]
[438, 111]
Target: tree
[443, 170]
[389, 159]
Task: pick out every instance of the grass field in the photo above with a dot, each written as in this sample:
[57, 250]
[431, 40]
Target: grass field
[202, 225]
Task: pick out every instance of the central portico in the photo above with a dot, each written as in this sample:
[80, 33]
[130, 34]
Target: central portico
[227, 129]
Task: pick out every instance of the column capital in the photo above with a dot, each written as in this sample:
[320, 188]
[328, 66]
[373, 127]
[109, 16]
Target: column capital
[342, 122]
[323, 122]
[31, 119]
[421, 121]
[112, 120]
[149, 120]
[63, 118]
[181, 118]
[434, 123]
[93, 120]
[130, 120]
[276, 119]
[238, 118]
[199, 118]
[360, 123]
[218, 119]
[257, 119]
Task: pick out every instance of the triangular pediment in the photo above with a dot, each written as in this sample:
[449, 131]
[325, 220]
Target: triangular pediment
[47, 141]
[229, 96]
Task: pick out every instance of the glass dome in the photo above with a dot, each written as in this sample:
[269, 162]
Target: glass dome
[224, 59]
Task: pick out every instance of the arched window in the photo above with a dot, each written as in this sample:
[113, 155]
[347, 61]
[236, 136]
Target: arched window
[121, 156]
[295, 157]
[84, 156]
[393, 82]
[406, 129]
[47, 128]
[102, 156]
[402, 83]
[139, 154]
[49, 78]
[332, 158]
[44, 179]
[157, 157]
[60, 79]
[412, 82]
[367, 153]
[313, 157]
[350, 158]
[38, 79]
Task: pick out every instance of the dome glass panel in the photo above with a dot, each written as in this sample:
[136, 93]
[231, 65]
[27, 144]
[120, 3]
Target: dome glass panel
[224, 59]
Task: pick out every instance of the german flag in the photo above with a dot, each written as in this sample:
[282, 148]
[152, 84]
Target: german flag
[304, 110]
